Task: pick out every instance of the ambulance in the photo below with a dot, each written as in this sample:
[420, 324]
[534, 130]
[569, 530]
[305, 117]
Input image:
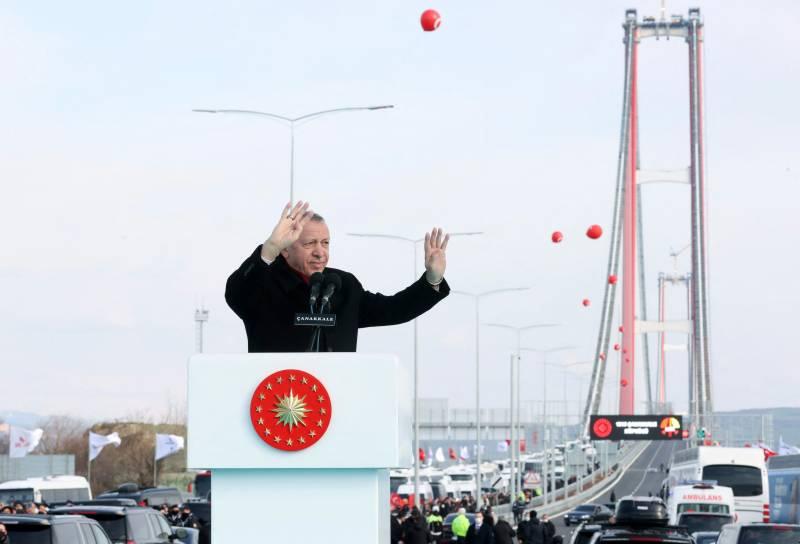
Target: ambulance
[701, 497]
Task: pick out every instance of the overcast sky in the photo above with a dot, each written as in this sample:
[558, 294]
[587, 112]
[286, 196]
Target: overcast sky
[122, 211]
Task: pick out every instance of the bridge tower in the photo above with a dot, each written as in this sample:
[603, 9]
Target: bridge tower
[626, 224]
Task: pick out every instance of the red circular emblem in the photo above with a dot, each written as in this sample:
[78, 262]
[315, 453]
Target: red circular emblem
[602, 428]
[290, 410]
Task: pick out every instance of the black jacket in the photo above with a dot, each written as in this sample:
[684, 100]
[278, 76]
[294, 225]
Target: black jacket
[534, 532]
[267, 296]
[503, 533]
[416, 532]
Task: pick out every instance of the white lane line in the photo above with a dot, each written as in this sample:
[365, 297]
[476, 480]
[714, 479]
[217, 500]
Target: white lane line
[647, 470]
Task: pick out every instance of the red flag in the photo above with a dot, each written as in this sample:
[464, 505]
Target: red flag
[522, 445]
[421, 455]
[452, 454]
[767, 451]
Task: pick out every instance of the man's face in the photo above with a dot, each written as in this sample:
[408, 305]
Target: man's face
[310, 252]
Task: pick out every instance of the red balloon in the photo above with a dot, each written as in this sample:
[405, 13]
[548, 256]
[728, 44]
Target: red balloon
[594, 232]
[612, 279]
[586, 302]
[430, 20]
[616, 347]
[623, 382]
[557, 237]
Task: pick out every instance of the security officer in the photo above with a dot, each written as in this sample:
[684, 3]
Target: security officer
[435, 523]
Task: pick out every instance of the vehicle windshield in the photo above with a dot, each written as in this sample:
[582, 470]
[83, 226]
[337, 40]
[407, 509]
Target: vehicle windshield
[705, 508]
[770, 534]
[584, 508]
[705, 539]
[461, 477]
[395, 482]
[28, 534]
[744, 480]
[710, 522]
[202, 485]
[10, 496]
[113, 524]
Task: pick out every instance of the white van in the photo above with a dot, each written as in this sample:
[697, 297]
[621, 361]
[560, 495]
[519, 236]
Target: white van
[701, 498]
[406, 491]
[49, 490]
[741, 469]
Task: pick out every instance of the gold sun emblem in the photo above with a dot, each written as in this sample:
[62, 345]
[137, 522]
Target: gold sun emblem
[291, 410]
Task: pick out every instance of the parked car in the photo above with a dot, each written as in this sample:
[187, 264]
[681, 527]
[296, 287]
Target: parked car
[587, 513]
[48, 529]
[760, 533]
[145, 496]
[128, 524]
[104, 502]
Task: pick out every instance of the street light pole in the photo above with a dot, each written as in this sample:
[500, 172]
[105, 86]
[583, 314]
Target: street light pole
[295, 121]
[545, 464]
[516, 428]
[477, 297]
[414, 242]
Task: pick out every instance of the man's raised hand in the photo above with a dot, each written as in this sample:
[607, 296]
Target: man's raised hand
[435, 256]
[288, 230]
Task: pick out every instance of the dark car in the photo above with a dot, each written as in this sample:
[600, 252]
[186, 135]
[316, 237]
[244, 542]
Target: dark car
[639, 534]
[700, 522]
[583, 533]
[759, 533]
[641, 511]
[128, 524]
[587, 513]
[47, 529]
[447, 525]
[145, 496]
[103, 502]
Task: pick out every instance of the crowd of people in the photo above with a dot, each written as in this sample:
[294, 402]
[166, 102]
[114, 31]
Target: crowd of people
[413, 526]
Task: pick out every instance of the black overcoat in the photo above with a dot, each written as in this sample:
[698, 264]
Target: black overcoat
[267, 297]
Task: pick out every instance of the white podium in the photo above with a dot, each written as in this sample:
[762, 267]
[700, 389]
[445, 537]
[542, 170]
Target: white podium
[339, 485]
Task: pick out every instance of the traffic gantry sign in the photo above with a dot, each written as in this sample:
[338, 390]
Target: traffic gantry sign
[663, 427]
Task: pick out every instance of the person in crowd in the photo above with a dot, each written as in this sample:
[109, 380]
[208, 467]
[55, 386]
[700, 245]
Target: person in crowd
[19, 508]
[43, 509]
[485, 535]
[435, 522]
[460, 525]
[31, 509]
[394, 525]
[164, 509]
[549, 529]
[174, 516]
[503, 532]
[518, 508]
[472, 532]
[415, 530]
[3, 534]
[6, 509]
[187, 519]
[273, 284]
[534, 530]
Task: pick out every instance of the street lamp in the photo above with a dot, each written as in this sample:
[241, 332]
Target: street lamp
[545, 464]
[477, 297]
[292, 122]
[414, 242]
[516, 429]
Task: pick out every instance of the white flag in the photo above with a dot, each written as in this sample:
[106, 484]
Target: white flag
[439, 455]
[167, 444]
[22, 441]
[502, 446]
[97, 442]
[787, 449]
[464, 453]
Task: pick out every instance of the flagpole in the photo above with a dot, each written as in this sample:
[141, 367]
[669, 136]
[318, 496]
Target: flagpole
[155, 463]
[89, 462]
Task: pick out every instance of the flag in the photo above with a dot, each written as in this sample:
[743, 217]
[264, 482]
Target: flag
[430, 455]
[464, 453]
[502, 446]
[786, 449]
[22, 441]
[421, 454]
[167, 444]
[522, 445]
[439, 455]
[768, 452]
[452, 454]
[97, 442]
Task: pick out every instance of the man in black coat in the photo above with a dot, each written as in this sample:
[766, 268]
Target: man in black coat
[503, 532]
[272, 285]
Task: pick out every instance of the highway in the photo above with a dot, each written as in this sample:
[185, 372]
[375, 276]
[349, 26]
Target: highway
[642, 477]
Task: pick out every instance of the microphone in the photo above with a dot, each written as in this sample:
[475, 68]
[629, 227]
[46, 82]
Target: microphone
[334, 282]
[316, 284]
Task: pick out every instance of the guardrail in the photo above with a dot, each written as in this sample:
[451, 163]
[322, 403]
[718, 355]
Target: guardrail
[571, 496]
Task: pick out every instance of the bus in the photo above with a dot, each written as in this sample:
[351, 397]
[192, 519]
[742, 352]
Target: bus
[49, 490]
[741, 469]
[783, 472]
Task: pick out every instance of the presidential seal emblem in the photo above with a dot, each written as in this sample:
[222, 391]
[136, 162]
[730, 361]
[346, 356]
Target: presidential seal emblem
[290, 410]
